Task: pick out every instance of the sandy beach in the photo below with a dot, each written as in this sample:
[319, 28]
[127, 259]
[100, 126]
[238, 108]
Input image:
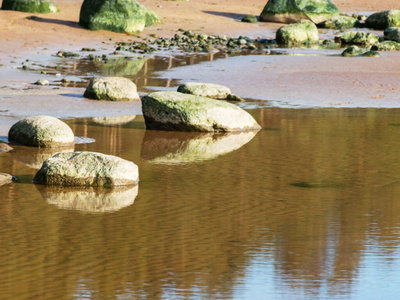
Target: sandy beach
[309, 80]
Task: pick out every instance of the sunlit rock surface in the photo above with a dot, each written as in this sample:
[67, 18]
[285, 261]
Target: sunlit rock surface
[111, 89]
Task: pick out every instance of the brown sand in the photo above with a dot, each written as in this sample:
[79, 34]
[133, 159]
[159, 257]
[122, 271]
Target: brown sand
[369, 81]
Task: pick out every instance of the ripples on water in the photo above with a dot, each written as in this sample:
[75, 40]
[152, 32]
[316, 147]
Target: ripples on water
[306, 209]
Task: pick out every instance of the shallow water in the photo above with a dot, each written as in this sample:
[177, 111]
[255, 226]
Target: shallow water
[307, 208]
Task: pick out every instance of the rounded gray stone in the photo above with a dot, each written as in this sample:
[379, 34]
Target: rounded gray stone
[111, 89]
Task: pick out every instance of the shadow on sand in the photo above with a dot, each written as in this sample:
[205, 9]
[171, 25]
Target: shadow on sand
[235, 16]
[55, 21]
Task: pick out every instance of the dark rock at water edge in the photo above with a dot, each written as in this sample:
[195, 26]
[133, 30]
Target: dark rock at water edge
[33, 6]
[384, 19]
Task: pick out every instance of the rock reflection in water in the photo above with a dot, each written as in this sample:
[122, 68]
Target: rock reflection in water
[113, 121]
[34, 157]
[89, 199]
[161, 147]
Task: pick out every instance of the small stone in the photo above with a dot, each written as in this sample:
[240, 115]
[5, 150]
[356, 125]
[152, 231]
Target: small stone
[250, 19]
[42, 82]
[111, 89]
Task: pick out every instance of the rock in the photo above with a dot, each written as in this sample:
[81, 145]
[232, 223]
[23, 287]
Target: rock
[111, 89]
[384, 19]
[287, 11]
[5, 148]
[89, 199]
[352, 51]
[160, 147]
[87, 169]
[33, 6]
[6, 178]
[386, 46]
[250, 19]
[300, 32]
[371, 54]
[183, 112]
[209, 90]
[392, 34]
[42, 82]
[339, 22]
[41, 131]
[128, 16]
[359, 37]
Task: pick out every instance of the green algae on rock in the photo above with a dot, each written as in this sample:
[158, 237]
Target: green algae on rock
[392, 34]
[183, 112]
[339, 22]
[118, 16]
[32, 6]
[286, 11]
[384, 19]
[371, 53]
[250, 19]
[299, 32]
[41, 131]
[386, 46]
[87, 169]
[359, 37]
[352, 51]
[111, 89]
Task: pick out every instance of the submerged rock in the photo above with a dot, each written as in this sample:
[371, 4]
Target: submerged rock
[384, 19]
[360, 38]
[161, 147]
[371, 54]
[339, 22]
[352, 51]
[125, 16]
[33, 6]
[209, 90]
[392, 34]
[183, 112]
[386, 46]
[111, 89]
[300, 32]
[87, 169]
[89, 199]
[286, 11]
[41, 131]
[6, 178]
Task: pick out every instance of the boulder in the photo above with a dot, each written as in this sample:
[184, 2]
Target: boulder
[41, 131]
[5, 148]
[392, 34]
[6, 178]
[32, 6]
[111, 89]
[118, 16]
[184, 112]
[384, 19]
[359, 37]
[300, 32]
[386, 46]
[339, 22]
[371, 53]
[209, 90]
[250, 19]
[352, 51]
[87, 169]
[287, 11]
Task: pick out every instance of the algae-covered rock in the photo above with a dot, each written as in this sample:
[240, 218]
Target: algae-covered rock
[41, 131]
[118, 16]
[160, 147]
[352, 51]
[87, 169]
[33, 6]
[111, 89]
[209, 90]
[89, 199]
[384, 19]
[339, 22]
[300, 32]
[392, 34]
[250, 19]
[184, 112]
[6, 178]
[371, 53]
[386, 46]
[287, 11]
[359, 37]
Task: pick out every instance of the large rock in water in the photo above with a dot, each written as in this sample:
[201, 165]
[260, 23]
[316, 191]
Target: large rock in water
[116, 15]
[32, 6]
[384, 19]
[87, 169]
[287, 11]
[392, 34]
[300, 32]
[41, 131]
[183, 112]
[111, 89]
[359, 38]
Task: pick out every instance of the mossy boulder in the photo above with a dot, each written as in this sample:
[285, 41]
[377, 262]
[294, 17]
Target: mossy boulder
[339, 22]
[41, 131]
[299, 32]
[287, 11]
[352, 51]
[111, 89]
[386, 46]
[87, 169]
[250, 19]
[371, 53]
[359, 38]
[392, 34]
[184, 112]
[384, 19]
[209, 90]
[32, 6]
[118, 16]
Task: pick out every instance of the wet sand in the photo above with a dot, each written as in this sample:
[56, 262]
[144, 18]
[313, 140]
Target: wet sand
[299, 80]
